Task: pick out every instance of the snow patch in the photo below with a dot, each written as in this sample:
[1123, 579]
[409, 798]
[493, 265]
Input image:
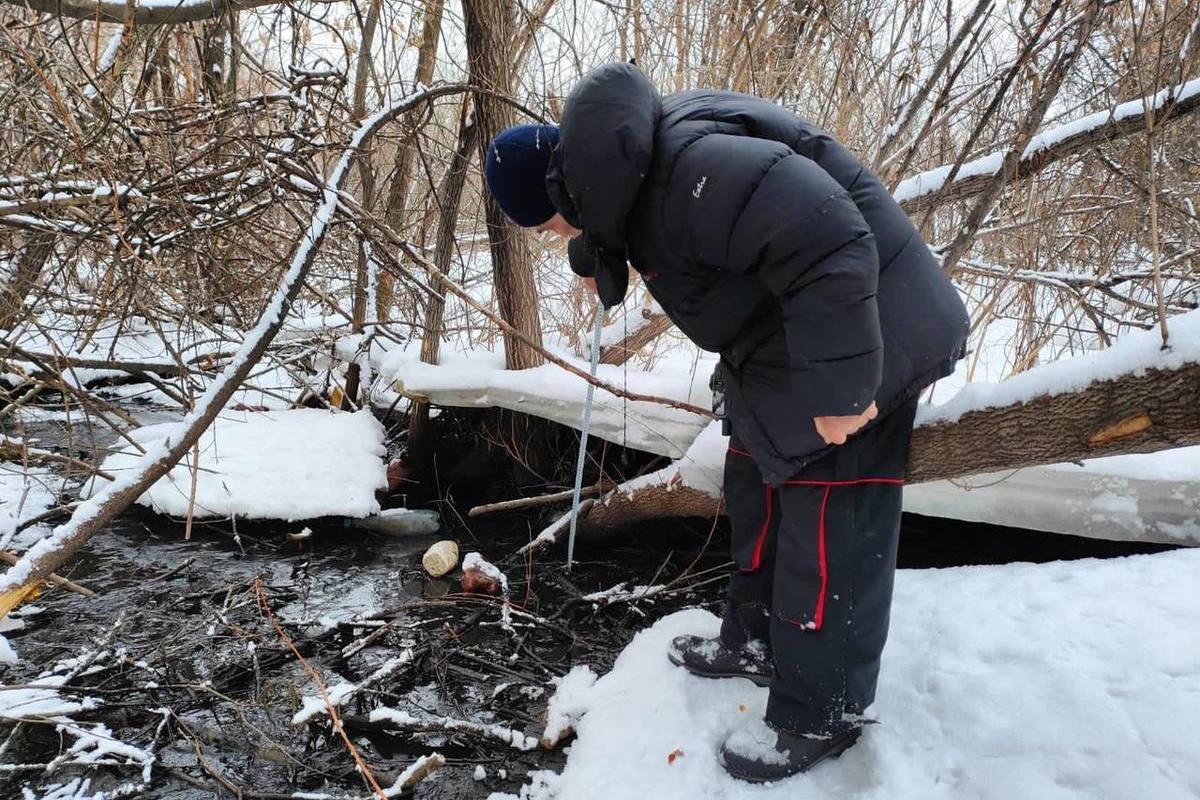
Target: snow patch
[998, 682]
[289, 465]
[570, 701]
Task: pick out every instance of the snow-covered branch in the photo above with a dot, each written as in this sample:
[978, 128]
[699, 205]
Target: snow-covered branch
[315, 705]
[393, 719]
[1169, 104]
[147, 12]
[91, 515]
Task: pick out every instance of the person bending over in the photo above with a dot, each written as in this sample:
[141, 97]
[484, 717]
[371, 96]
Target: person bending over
[766, 241]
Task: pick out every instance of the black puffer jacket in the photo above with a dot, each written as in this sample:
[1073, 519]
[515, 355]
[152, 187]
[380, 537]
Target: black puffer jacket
[763, 239]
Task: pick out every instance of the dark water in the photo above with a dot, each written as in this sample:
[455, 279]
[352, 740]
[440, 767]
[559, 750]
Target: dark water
[190, 617]
[937, 542]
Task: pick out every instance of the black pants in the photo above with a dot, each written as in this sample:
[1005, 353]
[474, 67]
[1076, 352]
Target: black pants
[814, 563]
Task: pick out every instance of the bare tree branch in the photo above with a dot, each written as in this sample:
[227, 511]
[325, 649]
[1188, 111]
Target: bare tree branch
[156, 14]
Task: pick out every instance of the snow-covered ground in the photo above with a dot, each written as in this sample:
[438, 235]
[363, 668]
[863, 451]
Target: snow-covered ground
[293, 464]
[1064, 680]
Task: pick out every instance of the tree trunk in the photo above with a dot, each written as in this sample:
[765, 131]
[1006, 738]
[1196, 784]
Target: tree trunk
[1113, 129]
[1136, 413]
[449, 197]
[490, 28]
[25, 276]
[212, 60]
[397, 199]
[990, 194]
[366, 176]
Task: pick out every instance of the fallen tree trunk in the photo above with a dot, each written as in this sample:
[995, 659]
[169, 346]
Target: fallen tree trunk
[1139, 412]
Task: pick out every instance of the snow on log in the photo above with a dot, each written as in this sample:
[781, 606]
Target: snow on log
[97, 511]
[916, 193]
[1134, 397]
[552, 393]
[1131, 398]
[145, 12]
[294, 464]
[689, 487]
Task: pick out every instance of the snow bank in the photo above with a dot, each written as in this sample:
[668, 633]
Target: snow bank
[553, 393]
[570, 701]
[290, 465]
[1151, 497]
[1064, 680]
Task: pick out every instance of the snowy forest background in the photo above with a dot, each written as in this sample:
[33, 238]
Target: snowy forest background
[250, 205]
[161, 171]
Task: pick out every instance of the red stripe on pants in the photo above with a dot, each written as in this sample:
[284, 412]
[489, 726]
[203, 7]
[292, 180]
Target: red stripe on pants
[819, 616]
[819, 613]
[756, 559]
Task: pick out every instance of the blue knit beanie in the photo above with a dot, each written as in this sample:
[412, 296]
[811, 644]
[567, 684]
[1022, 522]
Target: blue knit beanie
[516, 172]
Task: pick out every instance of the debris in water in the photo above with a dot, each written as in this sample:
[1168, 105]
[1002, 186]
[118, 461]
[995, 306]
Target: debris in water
[482, 577]
[399, 522]
[440, 558]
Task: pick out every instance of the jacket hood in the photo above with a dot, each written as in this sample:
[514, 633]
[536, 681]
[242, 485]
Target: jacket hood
[606, 145]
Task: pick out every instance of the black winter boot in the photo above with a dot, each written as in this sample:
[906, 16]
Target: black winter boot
[763, 753]
[711, 658]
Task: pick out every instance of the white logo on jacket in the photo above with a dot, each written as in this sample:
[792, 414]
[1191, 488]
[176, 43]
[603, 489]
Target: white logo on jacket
[699, 187]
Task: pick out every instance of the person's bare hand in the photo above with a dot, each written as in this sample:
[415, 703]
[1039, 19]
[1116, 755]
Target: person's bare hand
[590, 285]
[835, 430]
